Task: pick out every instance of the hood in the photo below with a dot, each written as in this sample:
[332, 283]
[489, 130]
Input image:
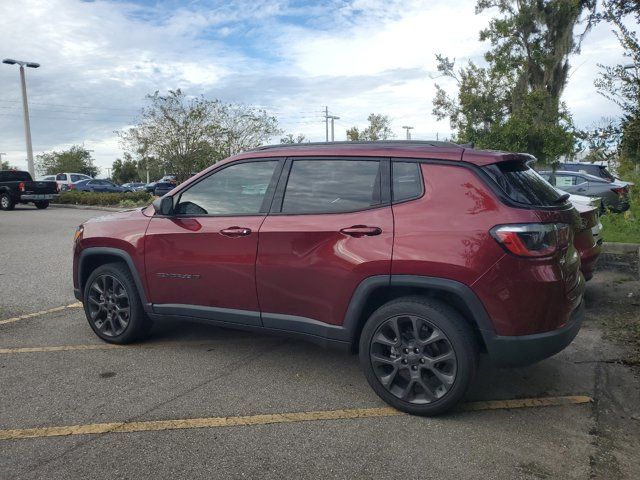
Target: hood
[133, 214]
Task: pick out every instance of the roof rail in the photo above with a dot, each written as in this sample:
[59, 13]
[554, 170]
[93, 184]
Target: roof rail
[381, 143]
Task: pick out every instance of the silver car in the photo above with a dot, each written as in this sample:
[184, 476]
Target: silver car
[614, 194]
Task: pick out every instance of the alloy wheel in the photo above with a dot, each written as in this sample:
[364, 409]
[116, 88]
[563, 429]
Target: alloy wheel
[109, 306]
[4, 201]
[413, 359]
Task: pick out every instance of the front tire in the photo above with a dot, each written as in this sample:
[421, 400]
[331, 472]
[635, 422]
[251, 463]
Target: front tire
[41, 205]
[112, 305]
[6, 202]
[419, 355]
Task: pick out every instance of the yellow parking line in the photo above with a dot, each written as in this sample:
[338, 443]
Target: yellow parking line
[42, 312]
[266, 419]
[98, 346]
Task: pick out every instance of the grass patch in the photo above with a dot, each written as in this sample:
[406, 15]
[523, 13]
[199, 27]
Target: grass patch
[126, 200]
[625, 227]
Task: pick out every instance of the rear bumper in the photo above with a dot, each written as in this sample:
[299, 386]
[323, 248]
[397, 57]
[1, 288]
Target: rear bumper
[40, 196]
[527, 349]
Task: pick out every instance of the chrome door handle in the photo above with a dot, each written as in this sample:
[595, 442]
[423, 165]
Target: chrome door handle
[361, 231]
[236, 231]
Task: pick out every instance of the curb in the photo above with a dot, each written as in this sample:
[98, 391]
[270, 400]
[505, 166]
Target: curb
[88, 207]
[622, 248]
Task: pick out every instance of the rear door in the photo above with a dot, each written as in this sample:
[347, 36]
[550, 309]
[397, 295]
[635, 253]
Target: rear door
[330, 227]
[200, 261]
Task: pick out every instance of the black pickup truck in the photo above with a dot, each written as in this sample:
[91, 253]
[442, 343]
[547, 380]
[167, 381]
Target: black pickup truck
[19, 187]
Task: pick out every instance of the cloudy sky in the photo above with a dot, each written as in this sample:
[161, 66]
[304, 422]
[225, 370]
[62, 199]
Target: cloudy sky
[100, 58]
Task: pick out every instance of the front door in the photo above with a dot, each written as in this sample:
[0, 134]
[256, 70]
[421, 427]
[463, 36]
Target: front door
[330, 229]
[200, 261]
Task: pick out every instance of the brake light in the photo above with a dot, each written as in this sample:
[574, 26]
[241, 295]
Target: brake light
[21, 186]
[621, 191]
[71, 187]
[533, 239]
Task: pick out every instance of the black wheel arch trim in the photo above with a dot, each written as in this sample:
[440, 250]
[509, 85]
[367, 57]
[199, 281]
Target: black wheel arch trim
[121, 254]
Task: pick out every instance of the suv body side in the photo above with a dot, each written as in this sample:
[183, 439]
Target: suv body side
[298, 272]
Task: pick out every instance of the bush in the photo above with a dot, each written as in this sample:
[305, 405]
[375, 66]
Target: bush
[625, 227]
[133, 199]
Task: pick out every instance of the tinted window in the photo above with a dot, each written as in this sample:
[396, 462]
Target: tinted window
[75, 178]
[11, 176]
[61, 176]
[236, 190]
[326, 186]
[523, 184]
[407, 181]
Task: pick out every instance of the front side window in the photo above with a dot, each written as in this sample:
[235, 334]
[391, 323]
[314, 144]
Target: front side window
[407, 181]
[330, 186]
[238, 189]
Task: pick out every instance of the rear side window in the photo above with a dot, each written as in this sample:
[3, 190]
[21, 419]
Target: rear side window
[523, 184]
[407, 181]
[331, 186]
[15, 176]
[61, 177]
[75, 178]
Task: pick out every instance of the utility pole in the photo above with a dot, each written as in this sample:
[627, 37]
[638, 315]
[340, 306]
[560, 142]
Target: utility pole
[25, 107]
[326, 123]
[407, 128]
[333, 117]
[108, 173]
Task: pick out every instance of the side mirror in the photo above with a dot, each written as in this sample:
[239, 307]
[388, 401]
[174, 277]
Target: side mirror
[163, 205]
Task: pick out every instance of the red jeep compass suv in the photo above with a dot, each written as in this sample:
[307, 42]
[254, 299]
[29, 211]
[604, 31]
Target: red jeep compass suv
[419, 255]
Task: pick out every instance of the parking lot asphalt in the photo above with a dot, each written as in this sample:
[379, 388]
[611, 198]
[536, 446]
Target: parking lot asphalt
[55, 372]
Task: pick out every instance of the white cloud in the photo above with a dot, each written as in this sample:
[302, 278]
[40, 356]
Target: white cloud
[99, 59]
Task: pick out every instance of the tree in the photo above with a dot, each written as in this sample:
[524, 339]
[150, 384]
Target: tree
[514, 102]
[77, 159]
[379, 129]
[125, 170]
[621, 83]
[289, 138]
[186, 134]
[4, 165]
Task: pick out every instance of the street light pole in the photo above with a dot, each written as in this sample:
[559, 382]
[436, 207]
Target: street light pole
[408, 128]
[333, 117]
[25, 107]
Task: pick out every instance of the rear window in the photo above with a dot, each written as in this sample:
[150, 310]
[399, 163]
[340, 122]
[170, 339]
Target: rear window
[15, 176]
[523, 184]
[61, 177]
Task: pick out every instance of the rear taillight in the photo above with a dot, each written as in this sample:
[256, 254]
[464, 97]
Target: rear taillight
[71, 187]
[21, 186]
[533, 239]
[621, 191]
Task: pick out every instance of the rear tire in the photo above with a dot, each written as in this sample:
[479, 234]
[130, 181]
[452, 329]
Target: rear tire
[112, 305]
[6, 202]
[41, 205]
[419, 355]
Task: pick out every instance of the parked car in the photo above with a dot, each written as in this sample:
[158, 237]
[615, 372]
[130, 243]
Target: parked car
[98, 185]
[134, 186]
[46, 178]
[589, 246]
[614, 195]
[18, 187]
[65, 180]
[151, 187]
[596, 169]
[164, 187]
[418, 255]
[577, 200]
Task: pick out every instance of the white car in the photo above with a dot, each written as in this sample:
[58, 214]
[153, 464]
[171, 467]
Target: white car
[64, 180]
[588, 202]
